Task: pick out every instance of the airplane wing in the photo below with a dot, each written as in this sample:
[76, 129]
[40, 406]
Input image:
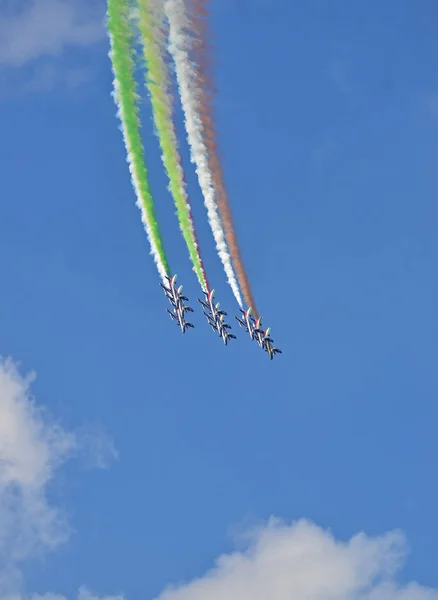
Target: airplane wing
[227, 336]
[272, 351]
[241, 323]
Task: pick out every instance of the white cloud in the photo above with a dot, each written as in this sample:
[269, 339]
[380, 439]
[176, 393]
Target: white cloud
[83, 594]
[304, 562]
[97, 447]
[280, 562]
[41, 28]
[31, 448]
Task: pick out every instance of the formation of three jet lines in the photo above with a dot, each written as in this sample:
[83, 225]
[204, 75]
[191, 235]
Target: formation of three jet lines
[215, 317]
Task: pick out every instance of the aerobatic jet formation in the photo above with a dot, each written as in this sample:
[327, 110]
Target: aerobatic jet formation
[173, 43]
[176, 299]
[215, 317]
[254, 328]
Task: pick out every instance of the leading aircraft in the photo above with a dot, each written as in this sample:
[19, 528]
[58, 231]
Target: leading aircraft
[267, 343]
[215, 317]
[254, 328]
[177, 300]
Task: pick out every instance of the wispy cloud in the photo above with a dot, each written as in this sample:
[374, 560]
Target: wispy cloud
[46, 77]
[31, 449]
[304, 562]
[279, 561]
[41, 28]
[97, 447]
[34, 38]
[33, 446]
[83, 594]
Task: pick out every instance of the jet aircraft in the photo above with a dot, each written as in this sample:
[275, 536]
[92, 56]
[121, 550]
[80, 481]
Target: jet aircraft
[177, 301]
[223, 327]
[248, 322]
[267, 343]
[215, 317]
[254, 328]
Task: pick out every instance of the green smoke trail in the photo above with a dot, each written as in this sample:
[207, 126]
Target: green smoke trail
[158, 85]
[125, 93]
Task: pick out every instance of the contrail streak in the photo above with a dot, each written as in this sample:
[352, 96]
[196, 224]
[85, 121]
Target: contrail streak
[158, 83]
[180, 44]
[202, 60]
[125, 95]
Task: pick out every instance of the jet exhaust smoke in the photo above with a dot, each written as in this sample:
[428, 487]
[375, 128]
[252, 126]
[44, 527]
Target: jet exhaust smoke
[125, 96]
[158, 83]
[180, 46]
[203, 61]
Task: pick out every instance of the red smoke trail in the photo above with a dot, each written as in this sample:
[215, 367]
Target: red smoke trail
[203, 60]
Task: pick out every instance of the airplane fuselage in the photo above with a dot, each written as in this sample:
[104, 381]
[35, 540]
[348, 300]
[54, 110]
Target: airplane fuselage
[177, 300]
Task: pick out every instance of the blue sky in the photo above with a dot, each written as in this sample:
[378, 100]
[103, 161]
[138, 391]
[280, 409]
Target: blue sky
[327, 115]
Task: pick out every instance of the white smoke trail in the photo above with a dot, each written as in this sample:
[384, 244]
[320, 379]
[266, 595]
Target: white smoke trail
[179, 46]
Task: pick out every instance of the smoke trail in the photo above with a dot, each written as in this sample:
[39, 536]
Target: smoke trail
[202, 58]
[180, 44]
[151, 17]
[125, 95]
